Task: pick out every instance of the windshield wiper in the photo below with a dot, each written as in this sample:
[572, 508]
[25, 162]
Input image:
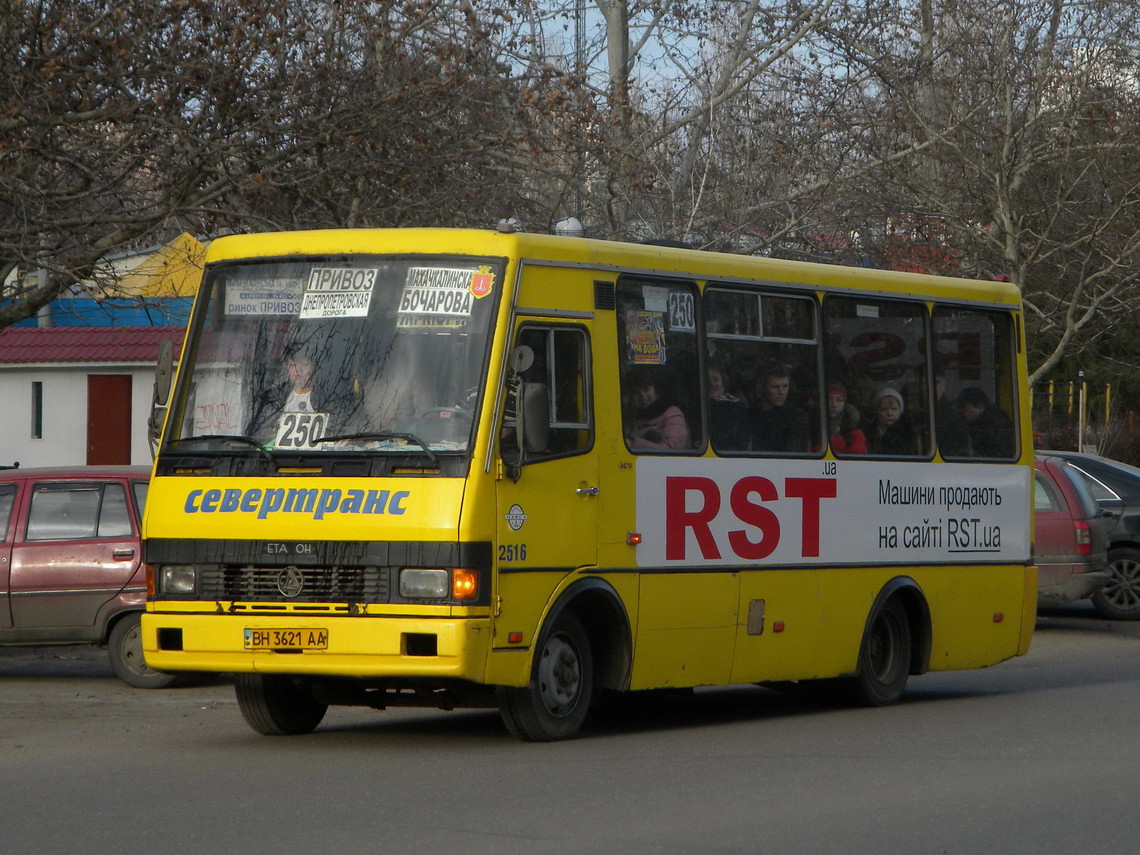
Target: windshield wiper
[236, 438]
[383, 434]
[229, 437]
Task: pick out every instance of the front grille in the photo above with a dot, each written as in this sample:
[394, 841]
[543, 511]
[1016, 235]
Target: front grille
[318, 584]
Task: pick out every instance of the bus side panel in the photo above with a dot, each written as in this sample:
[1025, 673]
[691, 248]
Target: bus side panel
[523, 598]
[781, 632]
[686, 629]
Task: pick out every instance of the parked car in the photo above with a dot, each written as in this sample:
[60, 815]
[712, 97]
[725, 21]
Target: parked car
[1070, 534]
[71, 566]
[1111, 480]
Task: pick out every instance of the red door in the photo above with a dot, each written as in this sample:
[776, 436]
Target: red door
[108, 419]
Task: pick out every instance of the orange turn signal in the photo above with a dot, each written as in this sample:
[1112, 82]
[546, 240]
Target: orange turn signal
[463, 584]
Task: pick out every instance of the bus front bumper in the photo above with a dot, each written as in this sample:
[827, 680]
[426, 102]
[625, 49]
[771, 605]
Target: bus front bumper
[405, 647]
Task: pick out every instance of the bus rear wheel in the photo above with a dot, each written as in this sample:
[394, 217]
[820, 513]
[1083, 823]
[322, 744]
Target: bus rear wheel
[278, 705]
[884, 658]
[554, 704]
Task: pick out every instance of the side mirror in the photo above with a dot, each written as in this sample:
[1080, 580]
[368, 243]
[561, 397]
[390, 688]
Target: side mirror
[163, 373]
[522, 358]
[531, 409]
[160, 395]
[534, 412]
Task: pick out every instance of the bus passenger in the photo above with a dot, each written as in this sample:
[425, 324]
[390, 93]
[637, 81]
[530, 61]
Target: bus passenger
[776, 424]
[728, 414]
[891, 431]
[991, 431]
[653, 421]
[843, 429]
[949, 425]
[299, 367]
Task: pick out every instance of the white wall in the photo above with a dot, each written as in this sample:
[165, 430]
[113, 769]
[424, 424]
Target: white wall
[64, 441]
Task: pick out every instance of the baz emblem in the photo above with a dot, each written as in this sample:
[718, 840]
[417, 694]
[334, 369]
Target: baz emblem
[290, 582]
[515, 517]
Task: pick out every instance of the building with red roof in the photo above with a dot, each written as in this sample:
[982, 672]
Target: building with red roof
[78, 395]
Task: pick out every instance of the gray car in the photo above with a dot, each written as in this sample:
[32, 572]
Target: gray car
[1110, 480]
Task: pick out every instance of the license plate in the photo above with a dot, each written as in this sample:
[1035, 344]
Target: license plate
[286, 639]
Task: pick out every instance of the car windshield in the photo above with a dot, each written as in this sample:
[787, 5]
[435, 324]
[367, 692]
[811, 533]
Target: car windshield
[356, 353]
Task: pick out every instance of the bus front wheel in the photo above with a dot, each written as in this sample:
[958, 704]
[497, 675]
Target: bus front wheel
[554, 704]
[884, 658]
[277, 705]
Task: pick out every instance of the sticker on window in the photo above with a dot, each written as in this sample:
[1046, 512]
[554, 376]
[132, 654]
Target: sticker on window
[437, 291]
[682, 314]
[301, 431]
[646, 339]
[264, 297]
[482, 281]
[338, 292]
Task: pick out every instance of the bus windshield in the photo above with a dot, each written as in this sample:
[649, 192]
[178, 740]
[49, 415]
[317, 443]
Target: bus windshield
[356, 353]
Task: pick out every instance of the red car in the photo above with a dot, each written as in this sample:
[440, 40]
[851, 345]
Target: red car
[1070, 535]
[71, 563]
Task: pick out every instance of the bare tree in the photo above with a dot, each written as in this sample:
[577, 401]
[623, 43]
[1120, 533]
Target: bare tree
[1004, 132]
[130, 121]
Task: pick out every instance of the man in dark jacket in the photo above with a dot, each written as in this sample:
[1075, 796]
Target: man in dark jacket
[776, 424]
[991, 431]
[949, 425]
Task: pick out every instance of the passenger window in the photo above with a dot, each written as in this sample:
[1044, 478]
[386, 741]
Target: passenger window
[7, 499]
[63, 512]
[876, 349]
[1044, 496]
[763, 374]
[114, 518]
[975, 412]
[659, 365]
[561, 370]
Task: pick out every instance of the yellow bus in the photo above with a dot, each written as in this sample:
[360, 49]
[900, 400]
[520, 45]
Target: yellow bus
[462, 468]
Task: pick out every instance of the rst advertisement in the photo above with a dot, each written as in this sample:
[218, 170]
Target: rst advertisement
[824, 512]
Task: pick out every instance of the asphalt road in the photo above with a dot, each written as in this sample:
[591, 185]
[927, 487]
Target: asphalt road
[1034, 755]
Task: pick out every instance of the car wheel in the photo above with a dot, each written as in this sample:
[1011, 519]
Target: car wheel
[1120, 598]
[278, 705]
[555, 702]
[124, 645]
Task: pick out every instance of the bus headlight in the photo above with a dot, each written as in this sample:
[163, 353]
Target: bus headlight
[177, 579]
[422, 584]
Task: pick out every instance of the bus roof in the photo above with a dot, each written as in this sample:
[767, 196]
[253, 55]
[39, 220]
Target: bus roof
[603, 254]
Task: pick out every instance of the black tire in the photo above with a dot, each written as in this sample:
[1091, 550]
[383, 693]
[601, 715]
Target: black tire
[278, 705]
[555, 703]
[124, 645]
[1120, 598]
[884, 658]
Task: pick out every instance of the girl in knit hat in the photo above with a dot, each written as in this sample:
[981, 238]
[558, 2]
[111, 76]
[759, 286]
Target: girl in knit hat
[891, 431]
[846, 437]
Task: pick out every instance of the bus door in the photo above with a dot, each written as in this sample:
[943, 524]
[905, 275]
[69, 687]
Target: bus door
[547, 505]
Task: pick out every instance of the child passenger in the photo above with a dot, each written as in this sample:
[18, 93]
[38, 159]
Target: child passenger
[891, 431]
[843, 429]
